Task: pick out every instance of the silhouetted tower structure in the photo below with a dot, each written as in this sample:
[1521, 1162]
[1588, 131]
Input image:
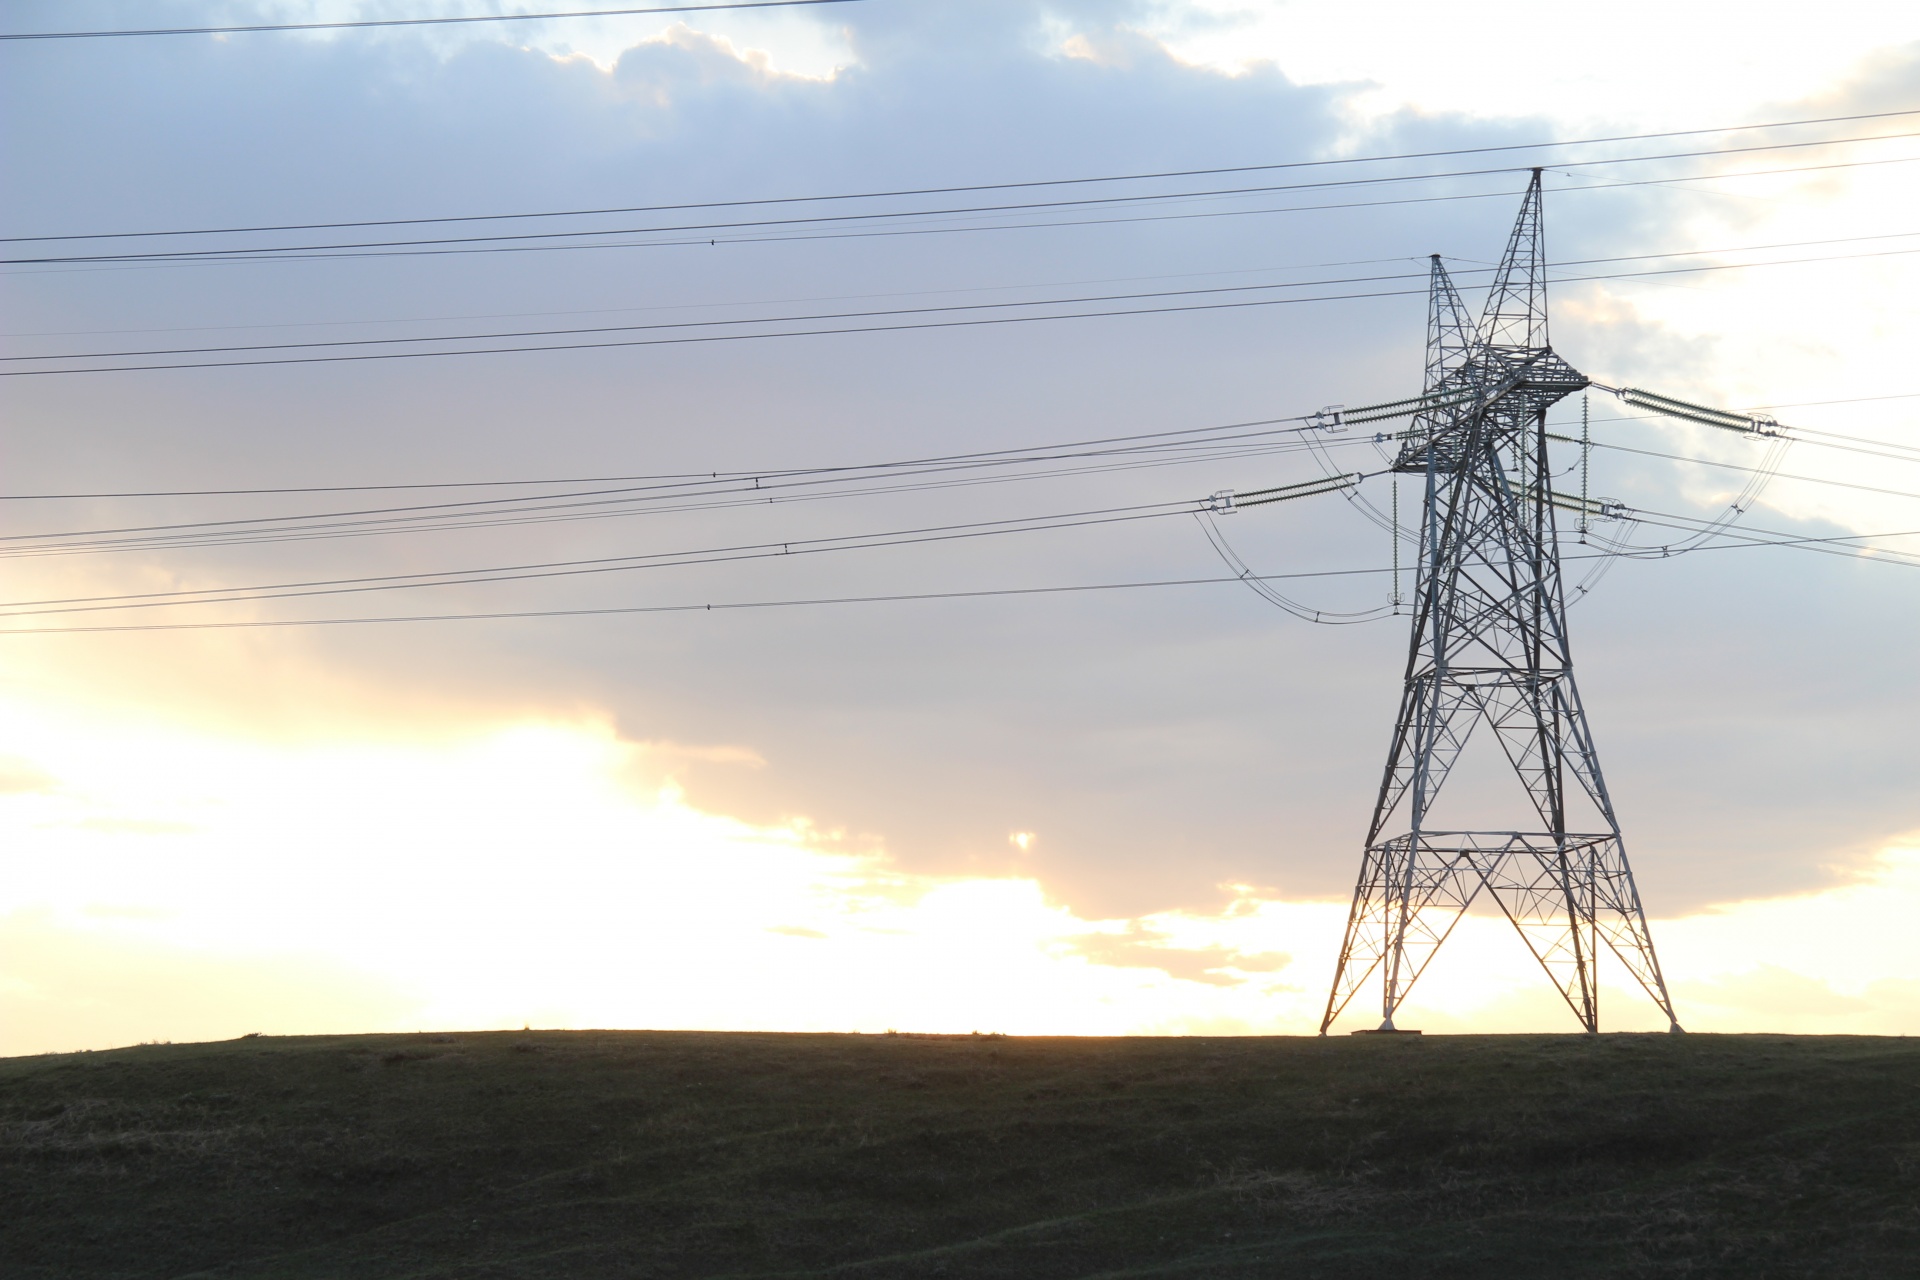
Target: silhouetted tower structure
[1489, 651]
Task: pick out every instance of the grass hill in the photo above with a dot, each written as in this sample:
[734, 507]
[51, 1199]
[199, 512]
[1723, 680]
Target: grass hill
[656, 1154]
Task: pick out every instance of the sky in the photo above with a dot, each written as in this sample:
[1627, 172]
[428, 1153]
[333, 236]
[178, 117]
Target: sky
[1116, 811]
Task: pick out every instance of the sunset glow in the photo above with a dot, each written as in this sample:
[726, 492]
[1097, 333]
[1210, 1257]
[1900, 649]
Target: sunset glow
[926, 751]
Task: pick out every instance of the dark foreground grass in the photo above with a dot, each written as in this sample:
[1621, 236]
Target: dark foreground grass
[639, 1154]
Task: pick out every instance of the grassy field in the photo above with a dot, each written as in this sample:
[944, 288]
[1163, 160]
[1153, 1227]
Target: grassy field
[639, 1154]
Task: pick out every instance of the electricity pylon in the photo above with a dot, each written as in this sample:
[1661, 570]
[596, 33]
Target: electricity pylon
[1489, 648]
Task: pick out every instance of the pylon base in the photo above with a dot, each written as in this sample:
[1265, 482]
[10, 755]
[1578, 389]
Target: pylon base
[1385, 1031]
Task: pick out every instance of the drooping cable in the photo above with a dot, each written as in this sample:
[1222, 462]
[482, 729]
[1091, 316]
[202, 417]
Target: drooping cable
[1262, 585]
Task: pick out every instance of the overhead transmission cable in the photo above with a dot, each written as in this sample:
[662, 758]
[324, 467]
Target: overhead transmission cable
[1807, 434]
[596, 565]
[676, 333]
[390, 247]
[707, 555]
[1699, 533]
[1015, 452]
[455, 20]
[936, 227]
[1262, 584]
[939, 226]
[1175, 447]
[265, 532]
[1241, 272]
[1735, 466]
[717, 490]
[1027, 184]
[899, 597]
[1143, 295]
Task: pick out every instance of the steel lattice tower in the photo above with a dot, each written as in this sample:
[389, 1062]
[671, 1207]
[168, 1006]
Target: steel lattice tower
[1489, 650]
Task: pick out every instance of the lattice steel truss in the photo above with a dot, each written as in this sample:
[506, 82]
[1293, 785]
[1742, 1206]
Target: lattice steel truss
[1489, 650]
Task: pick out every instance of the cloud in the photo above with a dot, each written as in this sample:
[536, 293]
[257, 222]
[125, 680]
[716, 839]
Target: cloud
[683, 60]
[1144, 948]
[522, 875]
[1751, 708]
[1554, 63]
[18, 777]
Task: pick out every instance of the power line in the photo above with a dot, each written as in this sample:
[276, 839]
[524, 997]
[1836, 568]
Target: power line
[734, 490]
[688, 608]
[1836, 544]
[413, 22]
[522, 572]
[1026, 452]
[1734, 466]
[968, 189]
[737, 490]
[1809, 404]
[1239, 272]
[1130, 219]
[810, 300]
[729, 606]
[756, 551]
[920, 293]
[598, 565]
[650, 560]
[113, 263]
[699, 338]
[321, 344]
[702, 475]
[304, 250]
[972, 322]
[1889, 449]
[811, 317]
[263, 530]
